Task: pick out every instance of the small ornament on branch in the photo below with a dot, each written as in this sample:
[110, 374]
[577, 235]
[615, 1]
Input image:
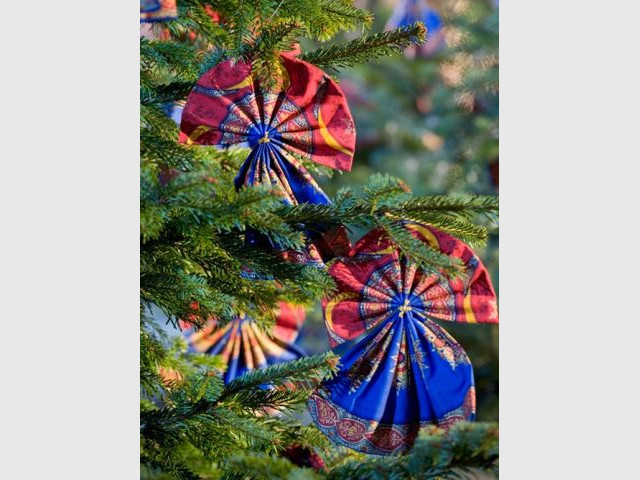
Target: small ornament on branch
[408, 12]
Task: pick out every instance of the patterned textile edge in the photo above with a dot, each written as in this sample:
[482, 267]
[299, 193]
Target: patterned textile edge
[374, 438]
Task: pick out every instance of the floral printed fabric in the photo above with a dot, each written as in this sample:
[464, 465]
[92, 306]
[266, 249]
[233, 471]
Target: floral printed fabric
[399, 368]
[307, 116]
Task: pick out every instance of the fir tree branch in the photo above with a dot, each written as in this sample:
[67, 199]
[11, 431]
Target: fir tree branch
[429, 259]
[179, 59]
[335, 16]
[171, 92]
[367, 48]
[265, 400]
[466, 448]
[264, 467]
[462, 205]
[313, 368]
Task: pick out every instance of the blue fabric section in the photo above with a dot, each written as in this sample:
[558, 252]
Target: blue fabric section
[262, 155]
[237, 365]
[147, 6]
[155, 20]
[433, 388]
[420, 12]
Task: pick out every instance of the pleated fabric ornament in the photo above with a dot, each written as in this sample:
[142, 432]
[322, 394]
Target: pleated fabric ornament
[408, 12]
[305, 115]
[158, 10]
[243, 346]
[399, 369]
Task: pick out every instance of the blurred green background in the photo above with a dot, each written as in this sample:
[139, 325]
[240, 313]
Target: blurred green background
[430, 117]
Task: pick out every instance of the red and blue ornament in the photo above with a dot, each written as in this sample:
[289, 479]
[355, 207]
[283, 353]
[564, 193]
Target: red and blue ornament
[400, 370]
[305, 117]
[243, 346]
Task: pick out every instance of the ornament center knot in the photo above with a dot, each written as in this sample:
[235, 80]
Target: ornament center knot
[405, 307]
[265, 138]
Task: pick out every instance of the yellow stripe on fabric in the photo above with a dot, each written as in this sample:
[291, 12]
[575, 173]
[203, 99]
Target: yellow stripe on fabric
[244, 83]
[329, 138]
[468, 310]
[426, 233]
[197, 133]
[203, 340]
[386, 251]
[247, 347]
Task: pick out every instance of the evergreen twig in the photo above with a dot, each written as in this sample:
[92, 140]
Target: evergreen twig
[367, 48]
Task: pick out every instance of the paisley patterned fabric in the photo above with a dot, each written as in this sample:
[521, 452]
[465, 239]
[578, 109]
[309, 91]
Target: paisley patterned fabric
[306, 116]
[243, 346]
[399, 368]
[158, 10]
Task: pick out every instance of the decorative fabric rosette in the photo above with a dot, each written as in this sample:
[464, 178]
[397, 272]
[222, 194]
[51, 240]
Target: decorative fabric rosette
[243, 346]
[399, 369]
[306, 116]
[408, 12]
[158, 10]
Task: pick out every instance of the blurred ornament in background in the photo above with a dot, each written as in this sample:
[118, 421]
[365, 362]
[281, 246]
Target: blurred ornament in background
[399, 369]
[153, 31]
[213, 14]
[158, 11]
[432, 141]
[424, 104]
[243, 345]
[355, 94]
[494, 171]
[408, 12]
[147, 6]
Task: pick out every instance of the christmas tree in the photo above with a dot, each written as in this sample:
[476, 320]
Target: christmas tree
[221, 250]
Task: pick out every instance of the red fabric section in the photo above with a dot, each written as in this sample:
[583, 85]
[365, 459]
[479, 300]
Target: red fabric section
[319, 100]
[373, 275]
[289, 320]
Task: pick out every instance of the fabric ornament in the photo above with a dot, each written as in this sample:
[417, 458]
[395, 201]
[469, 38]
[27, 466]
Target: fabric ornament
[158, 10]
[306, 115]
[399, 369]
[243, 346]
[408, 12]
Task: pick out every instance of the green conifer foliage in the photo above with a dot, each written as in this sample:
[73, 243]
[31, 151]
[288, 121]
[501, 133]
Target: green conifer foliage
[192, 251]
